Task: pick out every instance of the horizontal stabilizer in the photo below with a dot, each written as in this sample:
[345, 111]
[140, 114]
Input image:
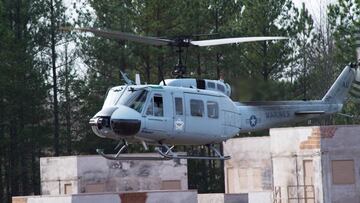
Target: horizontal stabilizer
[309, 112]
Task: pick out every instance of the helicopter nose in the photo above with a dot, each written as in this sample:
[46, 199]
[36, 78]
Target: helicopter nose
[125, 121]
[100, 123]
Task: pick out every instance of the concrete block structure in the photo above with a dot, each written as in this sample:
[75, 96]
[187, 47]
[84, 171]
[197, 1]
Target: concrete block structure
[189, 196]
[223, 198]
[319, 164]
[94, 174]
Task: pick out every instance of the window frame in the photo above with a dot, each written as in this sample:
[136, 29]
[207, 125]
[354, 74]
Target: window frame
[222, 89]
[202, 108]
[216, 109]
[152, 103]
[181, 105]
[212, 83]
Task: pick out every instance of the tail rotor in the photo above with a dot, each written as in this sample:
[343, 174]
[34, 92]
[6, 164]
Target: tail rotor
[355, 87]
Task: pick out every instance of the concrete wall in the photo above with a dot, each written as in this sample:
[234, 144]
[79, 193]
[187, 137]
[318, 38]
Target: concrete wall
[322, 145]
[341, 143]
[263, 197]
[290, 149]
[86, 174]
[130, 175]
[55, 172]
[222, 198]
[189, 196]
[297, 163]
[249, 169]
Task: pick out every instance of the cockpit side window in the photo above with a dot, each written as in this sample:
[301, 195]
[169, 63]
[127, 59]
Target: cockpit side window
[196, 107]
[212, 109]
[221, 87]
[211, 85]
[156, 106]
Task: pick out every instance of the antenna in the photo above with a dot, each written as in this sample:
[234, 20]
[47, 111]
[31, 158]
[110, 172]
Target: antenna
[137, 79]
[126, 79]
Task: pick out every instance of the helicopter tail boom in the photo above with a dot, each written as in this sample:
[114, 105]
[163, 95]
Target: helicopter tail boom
[264, 115]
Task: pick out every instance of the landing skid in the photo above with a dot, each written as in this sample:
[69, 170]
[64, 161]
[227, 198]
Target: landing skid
[165, 153]
[123, 157]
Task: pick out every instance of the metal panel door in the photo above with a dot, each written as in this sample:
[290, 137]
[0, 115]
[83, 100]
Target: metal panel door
[196, 122]
[159, 114]
[309, 181]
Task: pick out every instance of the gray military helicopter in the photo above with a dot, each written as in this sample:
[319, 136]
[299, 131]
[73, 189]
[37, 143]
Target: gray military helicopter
[188, 111]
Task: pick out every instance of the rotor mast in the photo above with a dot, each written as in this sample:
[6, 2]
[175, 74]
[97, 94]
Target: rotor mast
[180, 68]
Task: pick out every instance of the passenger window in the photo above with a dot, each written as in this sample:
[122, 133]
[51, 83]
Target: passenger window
[196, 107]
[212, 109]
[156, 107]
[211, 85]
[221, 87]
[178, 106]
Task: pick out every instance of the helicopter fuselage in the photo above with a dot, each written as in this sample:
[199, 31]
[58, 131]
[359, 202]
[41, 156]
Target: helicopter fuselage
[166, 114]
[158, 114]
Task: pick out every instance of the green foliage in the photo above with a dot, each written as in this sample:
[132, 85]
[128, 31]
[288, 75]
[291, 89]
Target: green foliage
[344, 19]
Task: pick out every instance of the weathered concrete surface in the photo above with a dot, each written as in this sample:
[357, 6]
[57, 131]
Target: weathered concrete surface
[222, 198]
[56, 171]
[342, 144]
[249, 169]
[321, 163]
[288, 155]
[321, 145]
[263, 197]
[87, 174]
[129, 197]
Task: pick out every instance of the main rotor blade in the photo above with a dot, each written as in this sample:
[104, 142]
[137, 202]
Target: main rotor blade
[127, 36]
[215, 42]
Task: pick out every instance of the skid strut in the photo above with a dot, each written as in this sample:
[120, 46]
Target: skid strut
[171, 155]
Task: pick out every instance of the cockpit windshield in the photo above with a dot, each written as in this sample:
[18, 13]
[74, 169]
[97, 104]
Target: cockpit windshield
[128, 96]
[137, 100]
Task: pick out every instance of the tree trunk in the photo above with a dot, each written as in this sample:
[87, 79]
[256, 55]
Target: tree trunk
[13, 160]
[199, 64]
[7, 164]
[55, 88]
[2, 186]
[265, 72]
[217, 54]
[304, 76]
[147, 69]
[67, 103]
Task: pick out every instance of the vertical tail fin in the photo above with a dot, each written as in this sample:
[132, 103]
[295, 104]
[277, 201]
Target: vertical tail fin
[339, 90]
[348, 80]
